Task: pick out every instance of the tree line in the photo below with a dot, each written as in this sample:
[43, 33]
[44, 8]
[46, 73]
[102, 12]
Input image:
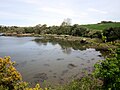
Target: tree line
[112, 33]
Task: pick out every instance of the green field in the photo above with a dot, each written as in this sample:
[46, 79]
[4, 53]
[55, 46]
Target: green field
[101, 26]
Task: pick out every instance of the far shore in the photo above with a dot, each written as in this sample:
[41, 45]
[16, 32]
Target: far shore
[89, 42]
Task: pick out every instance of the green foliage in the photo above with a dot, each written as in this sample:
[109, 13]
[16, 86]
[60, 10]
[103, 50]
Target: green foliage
[77, 30]
[64, 30]
[53, 30]
[85, 83]
[112, 33]
[28, 30]
[103, 38]
[106, 22]
[95, 34]
[109, 71]
[3, 88]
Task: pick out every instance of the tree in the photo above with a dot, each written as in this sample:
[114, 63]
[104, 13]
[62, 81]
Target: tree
[28, 29]
[37, 29]
[20, 30]
[77, 30]
[66, 22]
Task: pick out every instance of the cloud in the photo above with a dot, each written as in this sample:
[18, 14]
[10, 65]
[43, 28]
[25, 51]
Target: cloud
[35, 2]
[29, 1]
[66, 12]
[62, 11]
[97, 11]
[44, 11]
[17, 16]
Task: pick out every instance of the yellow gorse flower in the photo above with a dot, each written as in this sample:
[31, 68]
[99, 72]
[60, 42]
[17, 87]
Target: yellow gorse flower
[11, 78]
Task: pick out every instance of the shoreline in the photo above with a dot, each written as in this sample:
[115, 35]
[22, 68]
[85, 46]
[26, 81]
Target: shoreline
[86, 41]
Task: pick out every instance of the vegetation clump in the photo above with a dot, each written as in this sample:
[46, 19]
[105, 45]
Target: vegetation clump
[109, 71]
[112, 34]
[11, 79]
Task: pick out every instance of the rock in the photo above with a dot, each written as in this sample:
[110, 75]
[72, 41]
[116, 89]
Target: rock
[54, 76]
[50, 70]
[64, 72]
[100, 55]
[71, 66]
[82, 63]
[46, 65]
[33, 60]
[77, 57]
[83, 41]
[22, 64]
[60, 59]
[41, 76]
[93, 59]
[88, 61]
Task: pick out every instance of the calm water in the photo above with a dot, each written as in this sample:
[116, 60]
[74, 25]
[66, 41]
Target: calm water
[51, 60]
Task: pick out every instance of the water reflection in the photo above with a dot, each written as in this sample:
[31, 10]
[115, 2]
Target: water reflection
[66, 46]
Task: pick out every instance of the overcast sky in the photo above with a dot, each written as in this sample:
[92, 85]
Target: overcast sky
[53, 12]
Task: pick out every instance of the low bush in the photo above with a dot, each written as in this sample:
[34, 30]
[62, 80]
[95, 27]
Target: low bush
[112, 33]
[11, 79]
[109, 71]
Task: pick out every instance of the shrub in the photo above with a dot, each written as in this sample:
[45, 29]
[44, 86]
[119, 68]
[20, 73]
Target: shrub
[109, 71]
[11, 79]
[88, 82]
[112, 33]
[96, 34]
[78, 30]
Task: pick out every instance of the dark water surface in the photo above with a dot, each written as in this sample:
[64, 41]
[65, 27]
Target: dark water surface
[51, 60]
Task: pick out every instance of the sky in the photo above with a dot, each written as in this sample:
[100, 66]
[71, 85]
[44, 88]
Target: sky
[53, 12]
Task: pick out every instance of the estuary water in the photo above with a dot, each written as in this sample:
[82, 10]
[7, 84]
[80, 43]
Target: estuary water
[54, 61]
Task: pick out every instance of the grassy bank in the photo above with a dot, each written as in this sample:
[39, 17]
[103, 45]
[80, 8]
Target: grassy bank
[101, 26]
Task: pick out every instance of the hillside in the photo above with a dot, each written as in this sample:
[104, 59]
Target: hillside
[102, 26]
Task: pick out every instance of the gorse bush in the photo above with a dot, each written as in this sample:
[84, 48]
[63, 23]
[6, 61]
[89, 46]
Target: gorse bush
[8, 74]
[11, 79]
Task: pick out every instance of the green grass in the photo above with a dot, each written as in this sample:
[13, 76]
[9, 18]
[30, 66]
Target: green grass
[102, 26]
